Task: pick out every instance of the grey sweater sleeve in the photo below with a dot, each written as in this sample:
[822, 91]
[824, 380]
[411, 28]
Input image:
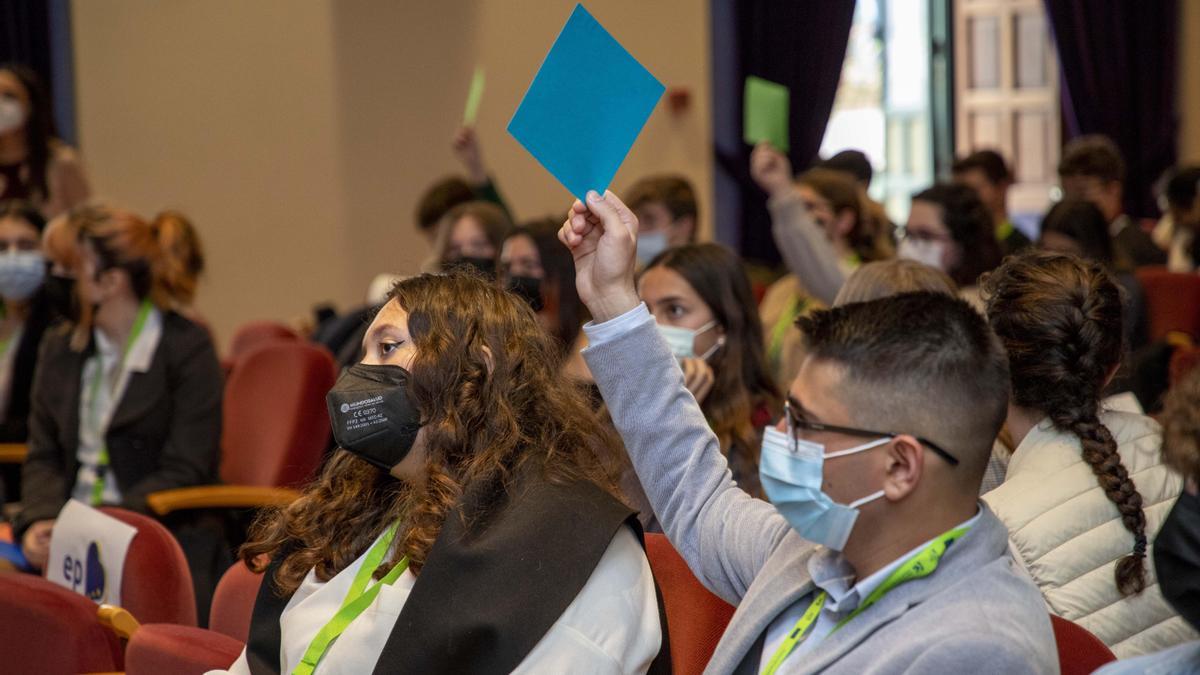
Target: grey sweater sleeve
[807, 251]
[724, 534]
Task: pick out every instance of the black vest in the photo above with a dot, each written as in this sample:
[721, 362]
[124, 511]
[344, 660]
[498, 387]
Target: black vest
[489, 591]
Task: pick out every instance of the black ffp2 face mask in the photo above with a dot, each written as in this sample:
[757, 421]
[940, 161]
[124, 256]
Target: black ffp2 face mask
[372, 415]
[529, 289]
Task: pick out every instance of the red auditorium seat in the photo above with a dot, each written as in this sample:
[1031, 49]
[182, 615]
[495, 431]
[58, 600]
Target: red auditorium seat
[255, 334]
[156, 585]
[1079, 652]
[165, 648]
[1172, 301]
[695, 617]
[50, 630]
[275, 429]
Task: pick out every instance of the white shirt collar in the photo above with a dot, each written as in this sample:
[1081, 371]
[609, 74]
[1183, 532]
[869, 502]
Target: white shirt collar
[833, 575]
[1119, 223]
[141, 352]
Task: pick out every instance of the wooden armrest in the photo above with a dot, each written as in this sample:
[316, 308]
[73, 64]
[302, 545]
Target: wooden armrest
[219, 496]
[118, 620]
[13, 453]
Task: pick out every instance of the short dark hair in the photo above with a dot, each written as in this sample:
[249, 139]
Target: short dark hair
[990, 162]
[1095, 156]
[923, 363]
[439, 198]
[853, 162]
[970, 225]
[1182, 188]
[675, 192]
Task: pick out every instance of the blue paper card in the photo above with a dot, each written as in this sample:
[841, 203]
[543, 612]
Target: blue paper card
[585, 107]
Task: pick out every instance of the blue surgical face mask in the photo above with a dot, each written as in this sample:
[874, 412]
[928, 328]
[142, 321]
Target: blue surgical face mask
[649, 245]
[682, 341]
[792, 473]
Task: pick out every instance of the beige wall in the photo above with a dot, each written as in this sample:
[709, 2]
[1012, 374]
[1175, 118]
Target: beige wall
[299, 133]
[1189, 82]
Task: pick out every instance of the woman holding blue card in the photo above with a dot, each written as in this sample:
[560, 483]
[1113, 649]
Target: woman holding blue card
[468, 523]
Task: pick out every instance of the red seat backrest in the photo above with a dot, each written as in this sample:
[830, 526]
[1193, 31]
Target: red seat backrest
[696, 618]
[251, 336]
[233, 601]
[275, 425]
[156, 585]
[1079, 652]
[50, 630]
[1172, 301]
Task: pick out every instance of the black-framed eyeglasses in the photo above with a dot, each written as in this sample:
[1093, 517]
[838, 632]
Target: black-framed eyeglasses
[795, 422]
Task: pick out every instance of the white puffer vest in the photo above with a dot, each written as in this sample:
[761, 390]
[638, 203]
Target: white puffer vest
[1070, 536]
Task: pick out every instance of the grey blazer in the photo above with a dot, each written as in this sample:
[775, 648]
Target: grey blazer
[976, 614]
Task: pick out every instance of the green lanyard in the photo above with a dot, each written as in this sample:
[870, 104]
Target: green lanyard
[920, 565]
[356, 602]
[779, 330]
[139, 324]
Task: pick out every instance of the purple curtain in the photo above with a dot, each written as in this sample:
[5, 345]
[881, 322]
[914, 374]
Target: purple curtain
[800, 44]
[1119, 63]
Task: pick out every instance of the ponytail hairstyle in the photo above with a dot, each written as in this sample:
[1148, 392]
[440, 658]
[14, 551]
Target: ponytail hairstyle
[868, 239]
[162, 258]
[1060, 320]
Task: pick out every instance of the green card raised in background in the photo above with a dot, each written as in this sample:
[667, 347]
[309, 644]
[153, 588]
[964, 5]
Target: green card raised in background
[474, 96]
[765, 113]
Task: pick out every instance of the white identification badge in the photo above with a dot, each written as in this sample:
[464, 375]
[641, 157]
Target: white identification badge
[87, 552]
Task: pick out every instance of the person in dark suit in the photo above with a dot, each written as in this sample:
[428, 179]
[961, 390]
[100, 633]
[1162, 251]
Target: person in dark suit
[1092, 169]
[126, 400]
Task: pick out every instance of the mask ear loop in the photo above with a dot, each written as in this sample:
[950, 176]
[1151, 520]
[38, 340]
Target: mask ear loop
[859, 448]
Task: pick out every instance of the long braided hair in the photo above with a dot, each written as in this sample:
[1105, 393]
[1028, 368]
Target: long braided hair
[1060, 320]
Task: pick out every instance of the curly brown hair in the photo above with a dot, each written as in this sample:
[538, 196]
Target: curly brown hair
[1181, 427]
[485, 380]
[1060, 320]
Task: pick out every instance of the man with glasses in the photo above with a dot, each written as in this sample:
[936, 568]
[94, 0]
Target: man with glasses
[875, 555]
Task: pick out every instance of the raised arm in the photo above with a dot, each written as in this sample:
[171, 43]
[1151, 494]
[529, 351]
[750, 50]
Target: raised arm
[805, 248]
[724, 534]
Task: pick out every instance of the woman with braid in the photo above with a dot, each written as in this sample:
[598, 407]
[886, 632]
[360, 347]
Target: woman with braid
[1086, 489]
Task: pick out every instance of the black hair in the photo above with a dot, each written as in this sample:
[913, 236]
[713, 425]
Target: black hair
[970, 226]
[1084, 223]
[23, 210]
[40, 130]
[990, 162]
[919, 363]
[853, 162]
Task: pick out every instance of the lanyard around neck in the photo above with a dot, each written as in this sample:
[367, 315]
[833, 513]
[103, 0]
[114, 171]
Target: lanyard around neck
[357, 600]
[920, 565]
[139, 325]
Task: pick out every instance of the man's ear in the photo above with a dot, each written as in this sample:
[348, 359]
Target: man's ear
[905, 466]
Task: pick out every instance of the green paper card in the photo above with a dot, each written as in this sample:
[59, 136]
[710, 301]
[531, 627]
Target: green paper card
[474, 96]
[765, 113]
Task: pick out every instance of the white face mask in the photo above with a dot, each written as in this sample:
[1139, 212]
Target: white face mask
[21, 274]
[925, 251]
[649, 245]
[12, 114]
[682, 341]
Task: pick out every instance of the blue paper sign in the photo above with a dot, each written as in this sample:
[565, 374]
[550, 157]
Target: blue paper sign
[585, 107]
